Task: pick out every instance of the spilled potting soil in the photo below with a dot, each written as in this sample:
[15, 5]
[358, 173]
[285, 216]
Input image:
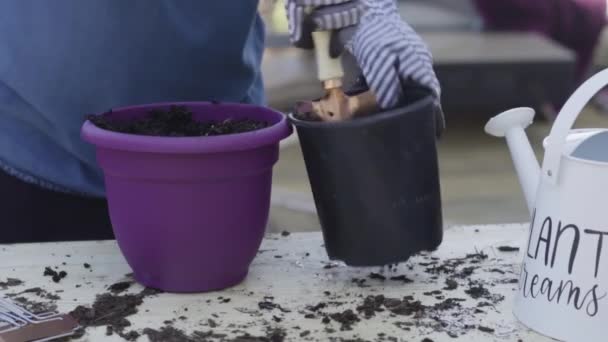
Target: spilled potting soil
[111, 310]
[178, 121]
[458, 296]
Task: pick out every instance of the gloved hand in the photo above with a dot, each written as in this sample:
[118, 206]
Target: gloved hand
[391, 55]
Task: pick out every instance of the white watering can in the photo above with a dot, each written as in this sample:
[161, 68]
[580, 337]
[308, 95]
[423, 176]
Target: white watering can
[563, 285]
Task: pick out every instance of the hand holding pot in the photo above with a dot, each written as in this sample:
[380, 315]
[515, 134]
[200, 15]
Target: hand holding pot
[392, 56]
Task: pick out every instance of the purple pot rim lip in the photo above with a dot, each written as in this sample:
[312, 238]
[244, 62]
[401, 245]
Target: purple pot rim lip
[272, 134]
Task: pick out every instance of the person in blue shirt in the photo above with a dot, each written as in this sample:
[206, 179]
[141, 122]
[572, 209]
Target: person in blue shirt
[63, 59]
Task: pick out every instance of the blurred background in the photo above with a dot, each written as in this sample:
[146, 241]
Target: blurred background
[489, 56]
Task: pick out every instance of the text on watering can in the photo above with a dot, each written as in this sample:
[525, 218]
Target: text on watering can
[565, 237]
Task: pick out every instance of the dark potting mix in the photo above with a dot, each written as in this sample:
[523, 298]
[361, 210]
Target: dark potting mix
[178, 121]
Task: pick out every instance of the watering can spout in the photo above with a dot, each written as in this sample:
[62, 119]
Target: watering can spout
[511, 125]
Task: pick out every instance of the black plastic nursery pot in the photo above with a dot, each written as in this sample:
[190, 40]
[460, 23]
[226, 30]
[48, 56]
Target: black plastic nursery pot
[375, 182]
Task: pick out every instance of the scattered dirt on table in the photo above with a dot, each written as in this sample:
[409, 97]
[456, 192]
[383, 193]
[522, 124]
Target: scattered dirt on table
[35, 306]
[178, 121]
[441, 312]
[285, 233]
[87, 265]
[172, 334]
[456, 268]
[111, 310]
[24, 300]
[41, 293]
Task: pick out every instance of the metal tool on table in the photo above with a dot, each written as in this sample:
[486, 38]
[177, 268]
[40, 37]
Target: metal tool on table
[336, 105]
[20, 325]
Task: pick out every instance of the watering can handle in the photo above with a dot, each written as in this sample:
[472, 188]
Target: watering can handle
[564, 122]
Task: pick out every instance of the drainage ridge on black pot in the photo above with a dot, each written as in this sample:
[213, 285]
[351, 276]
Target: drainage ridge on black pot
[375, 182]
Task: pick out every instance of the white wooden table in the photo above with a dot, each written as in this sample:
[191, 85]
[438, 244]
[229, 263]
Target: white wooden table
[293, 271]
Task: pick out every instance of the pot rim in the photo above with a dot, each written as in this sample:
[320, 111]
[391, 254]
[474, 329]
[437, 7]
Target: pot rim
[389, 114]
[188, 145]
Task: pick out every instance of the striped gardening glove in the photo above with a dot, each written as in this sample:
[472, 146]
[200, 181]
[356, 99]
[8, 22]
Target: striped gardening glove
[391, 55]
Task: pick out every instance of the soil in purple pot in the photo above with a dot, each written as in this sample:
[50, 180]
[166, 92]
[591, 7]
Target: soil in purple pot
[178, 121]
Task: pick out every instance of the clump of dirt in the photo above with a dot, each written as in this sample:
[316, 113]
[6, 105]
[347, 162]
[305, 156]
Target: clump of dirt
[447, 315]
[360, 282]
[450, 284]
[148, 291]
[317, 307]
[402, 278]
[508, 249]
[166, 334]
[485, 329]
[178, 121]
[56, 276]
[346, 319]
[477, 290]
[267, 304]
[371, 305]
[448, 304]
[10, 282]
[405, 307]
[376, 276]
[111, 310]
[108, 310]
[120, 287]
[272, 335]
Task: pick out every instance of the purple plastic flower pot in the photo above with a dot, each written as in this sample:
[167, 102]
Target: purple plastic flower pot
[189, 213]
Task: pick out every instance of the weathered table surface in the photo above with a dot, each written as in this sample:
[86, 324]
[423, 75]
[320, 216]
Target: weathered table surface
[294, 272]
